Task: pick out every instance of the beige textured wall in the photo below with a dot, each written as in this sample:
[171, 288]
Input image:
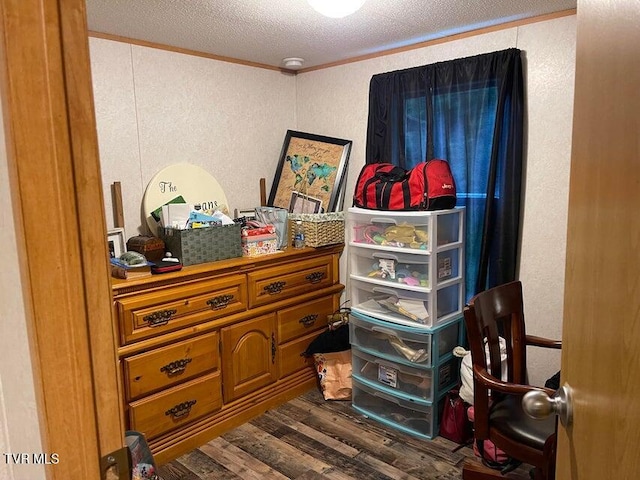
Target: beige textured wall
[155, 108]
[334, 102]
[19, 428]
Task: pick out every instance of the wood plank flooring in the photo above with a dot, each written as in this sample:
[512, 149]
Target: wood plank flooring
[309, 438]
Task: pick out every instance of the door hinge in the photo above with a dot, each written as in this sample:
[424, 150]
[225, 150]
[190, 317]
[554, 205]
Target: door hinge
[116, 465]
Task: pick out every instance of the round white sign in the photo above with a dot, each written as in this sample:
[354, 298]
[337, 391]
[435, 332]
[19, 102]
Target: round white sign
[181, 183]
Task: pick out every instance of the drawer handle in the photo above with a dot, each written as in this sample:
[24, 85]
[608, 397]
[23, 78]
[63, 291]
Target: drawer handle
[308, 320]
[180, 410]
[220, 301]
[315, 277]
[174, 368]
[385, 256]
[159, 318]
[275, 287]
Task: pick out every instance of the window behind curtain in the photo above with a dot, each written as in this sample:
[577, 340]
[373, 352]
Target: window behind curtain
[464, 120]
[468, 112]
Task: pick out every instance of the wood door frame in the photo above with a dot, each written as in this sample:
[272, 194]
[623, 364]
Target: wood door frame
[56, 192]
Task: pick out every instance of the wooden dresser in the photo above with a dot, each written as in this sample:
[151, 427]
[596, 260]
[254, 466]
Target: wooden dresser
[208, 348]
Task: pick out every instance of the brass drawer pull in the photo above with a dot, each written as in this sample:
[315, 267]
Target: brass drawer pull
[275, 287]
[180, 410]
[220, 301]
[315, 277]
[159, 318]
[174, 368]
[308, 320]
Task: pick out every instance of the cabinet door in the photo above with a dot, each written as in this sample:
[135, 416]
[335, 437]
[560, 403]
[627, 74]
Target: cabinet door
[248, 356]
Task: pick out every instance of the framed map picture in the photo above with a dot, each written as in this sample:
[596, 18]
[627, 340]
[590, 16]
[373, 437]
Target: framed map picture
[311, 167]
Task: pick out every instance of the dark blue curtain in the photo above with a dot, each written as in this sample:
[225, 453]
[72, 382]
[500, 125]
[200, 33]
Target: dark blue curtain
[469, 112]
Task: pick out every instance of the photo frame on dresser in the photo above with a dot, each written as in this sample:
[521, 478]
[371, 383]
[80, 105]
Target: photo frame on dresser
[311, 167]
[116, 242]
[304, 204]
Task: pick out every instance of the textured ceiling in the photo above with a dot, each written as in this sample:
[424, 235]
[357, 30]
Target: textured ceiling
[265, 32]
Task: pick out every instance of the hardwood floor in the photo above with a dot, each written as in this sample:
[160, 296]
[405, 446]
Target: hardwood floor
[309, 438]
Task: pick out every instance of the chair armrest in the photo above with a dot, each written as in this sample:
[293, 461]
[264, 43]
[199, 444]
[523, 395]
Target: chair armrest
[492, 383]
[543, 342]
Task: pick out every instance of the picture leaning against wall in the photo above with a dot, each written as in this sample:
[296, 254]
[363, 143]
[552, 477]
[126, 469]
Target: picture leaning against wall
[311, 166]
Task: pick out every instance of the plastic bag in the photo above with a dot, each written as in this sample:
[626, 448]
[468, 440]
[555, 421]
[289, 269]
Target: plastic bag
[143, 467]
[278, 217]
[466, 371]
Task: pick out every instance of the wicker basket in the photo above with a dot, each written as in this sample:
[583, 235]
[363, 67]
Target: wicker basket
[201, 245]
[319, 228]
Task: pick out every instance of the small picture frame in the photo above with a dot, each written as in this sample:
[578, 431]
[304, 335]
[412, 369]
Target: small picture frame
[301, 203]
[247, 213]
[116, 242]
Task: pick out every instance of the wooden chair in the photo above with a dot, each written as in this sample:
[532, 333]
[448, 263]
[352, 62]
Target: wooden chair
[498, 312]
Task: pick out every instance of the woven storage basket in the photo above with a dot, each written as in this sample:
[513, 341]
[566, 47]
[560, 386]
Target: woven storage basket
[201, 245]
[319, 228]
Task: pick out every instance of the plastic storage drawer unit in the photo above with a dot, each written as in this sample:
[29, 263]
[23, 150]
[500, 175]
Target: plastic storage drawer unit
[390, 267]
[403, 344]
[396, 377]
[410, 270]
[399, 378]
[416, 418]
[405, 230]
[403, 305]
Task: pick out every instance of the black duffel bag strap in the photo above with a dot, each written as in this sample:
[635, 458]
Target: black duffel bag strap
[396, 174]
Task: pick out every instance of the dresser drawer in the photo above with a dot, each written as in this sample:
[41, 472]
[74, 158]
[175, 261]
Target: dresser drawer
[290, 280]
[168, 366]
[290, 359]
[154, 313]
[304, 318]
[178, 406]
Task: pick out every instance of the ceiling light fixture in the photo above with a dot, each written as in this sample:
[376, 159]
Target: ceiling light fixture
[336, 8]
[293, 63]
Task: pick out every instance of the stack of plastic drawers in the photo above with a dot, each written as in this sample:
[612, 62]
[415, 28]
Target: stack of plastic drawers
[407, 289]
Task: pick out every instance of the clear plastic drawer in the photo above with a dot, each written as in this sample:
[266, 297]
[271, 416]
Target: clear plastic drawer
[404, 305]
[417, 347]
[409, 270]
[412, 381]
[405, 230]
[390, 267]
[399, 412]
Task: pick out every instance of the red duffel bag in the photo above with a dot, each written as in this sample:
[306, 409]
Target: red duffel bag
[427, 186]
